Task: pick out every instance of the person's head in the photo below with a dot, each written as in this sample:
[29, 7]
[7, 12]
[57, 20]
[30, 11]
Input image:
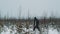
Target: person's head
[35, 18]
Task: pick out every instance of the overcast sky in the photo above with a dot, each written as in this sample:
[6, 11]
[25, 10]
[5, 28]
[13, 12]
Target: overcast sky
[35, 8]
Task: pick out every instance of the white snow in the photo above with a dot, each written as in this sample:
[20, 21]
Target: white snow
[51, 31]
[13, 30]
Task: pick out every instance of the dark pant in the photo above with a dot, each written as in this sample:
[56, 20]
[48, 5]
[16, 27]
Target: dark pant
[36, 27]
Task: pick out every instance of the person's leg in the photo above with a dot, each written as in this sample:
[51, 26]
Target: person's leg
[38, 28]
[34, 28]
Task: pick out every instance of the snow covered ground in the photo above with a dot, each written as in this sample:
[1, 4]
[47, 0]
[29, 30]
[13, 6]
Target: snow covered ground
[13, 30]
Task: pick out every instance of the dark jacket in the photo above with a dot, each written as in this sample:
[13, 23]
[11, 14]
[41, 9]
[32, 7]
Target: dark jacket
[36, 22]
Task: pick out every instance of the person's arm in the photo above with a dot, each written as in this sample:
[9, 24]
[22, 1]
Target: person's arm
[34, 22]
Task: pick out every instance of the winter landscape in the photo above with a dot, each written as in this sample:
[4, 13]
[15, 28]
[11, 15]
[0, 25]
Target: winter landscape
[29, 16]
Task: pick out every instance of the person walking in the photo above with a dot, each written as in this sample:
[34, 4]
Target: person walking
[36, 24]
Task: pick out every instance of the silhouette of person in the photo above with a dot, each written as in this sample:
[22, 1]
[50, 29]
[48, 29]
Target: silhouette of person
[36, 24]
